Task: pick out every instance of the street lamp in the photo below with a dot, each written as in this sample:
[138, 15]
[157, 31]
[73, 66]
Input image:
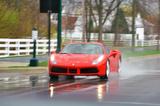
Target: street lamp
[34, 60]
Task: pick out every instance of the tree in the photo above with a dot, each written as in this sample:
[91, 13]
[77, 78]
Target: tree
[158, 42]
[8, 18]
[120, 22]
[18, 17]
[100, 11]
[119, 25]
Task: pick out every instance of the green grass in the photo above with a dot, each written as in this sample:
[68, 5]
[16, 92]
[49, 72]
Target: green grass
[14, 56]
[140, 53]
[18, 67]
[44, 63]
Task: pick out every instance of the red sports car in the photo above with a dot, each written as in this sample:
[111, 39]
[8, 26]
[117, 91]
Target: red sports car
[84, 59]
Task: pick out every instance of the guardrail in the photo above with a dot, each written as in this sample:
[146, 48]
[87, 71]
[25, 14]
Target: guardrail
[19, 47]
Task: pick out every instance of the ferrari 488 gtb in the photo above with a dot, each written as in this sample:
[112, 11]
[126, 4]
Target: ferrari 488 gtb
[84, 59]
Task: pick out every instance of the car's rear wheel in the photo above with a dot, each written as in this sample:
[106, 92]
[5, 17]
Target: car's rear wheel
[105, 77]
[119, 65]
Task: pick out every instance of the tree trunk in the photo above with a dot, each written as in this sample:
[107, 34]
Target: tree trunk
[133, 22]
[158, 42]
[84, 22]
[100, 9]
[86, 25]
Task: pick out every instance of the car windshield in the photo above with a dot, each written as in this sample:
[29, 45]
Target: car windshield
[83, 49]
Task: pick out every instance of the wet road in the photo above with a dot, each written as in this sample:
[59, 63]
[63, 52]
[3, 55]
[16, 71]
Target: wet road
[136, 85]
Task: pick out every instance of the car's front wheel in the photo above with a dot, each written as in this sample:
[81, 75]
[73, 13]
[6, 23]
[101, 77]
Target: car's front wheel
[105, 77]
[70, 77]
[53, 77]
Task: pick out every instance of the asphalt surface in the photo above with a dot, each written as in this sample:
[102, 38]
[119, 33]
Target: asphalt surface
[136, 85]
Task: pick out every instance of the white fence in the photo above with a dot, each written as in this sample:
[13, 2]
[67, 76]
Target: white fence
[138, 43]
[19, 47]
[143, 43]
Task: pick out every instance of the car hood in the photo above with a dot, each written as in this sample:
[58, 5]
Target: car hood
[81, 59]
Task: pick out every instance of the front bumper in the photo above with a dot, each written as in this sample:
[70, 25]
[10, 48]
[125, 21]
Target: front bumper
[87, 70]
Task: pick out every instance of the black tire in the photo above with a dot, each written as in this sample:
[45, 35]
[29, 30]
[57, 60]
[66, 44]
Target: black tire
[119, 66]
[105, 77]
[53, 78]
[70, 77]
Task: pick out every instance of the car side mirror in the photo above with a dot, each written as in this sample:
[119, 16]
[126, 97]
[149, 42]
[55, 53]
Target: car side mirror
[113, 53]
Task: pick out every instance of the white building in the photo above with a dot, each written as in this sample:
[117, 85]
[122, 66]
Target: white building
[139, 27]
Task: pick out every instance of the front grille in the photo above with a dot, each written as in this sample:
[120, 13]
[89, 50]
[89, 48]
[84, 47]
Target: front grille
[59, 70]
[72, 70]
[88, 70]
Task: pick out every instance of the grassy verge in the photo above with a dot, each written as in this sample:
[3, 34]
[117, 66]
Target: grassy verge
[25, 56]
[140, 53]
[22, 69]
[43, 63]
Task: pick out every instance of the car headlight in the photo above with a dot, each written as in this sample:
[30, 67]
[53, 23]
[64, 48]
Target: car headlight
[53, 60]
[99, 59]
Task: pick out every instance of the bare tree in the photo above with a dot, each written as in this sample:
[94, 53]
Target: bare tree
[158, 43]
[133, 21]
[100, 11]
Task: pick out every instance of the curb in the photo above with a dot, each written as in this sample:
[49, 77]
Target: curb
[24, 78]
[25, 75]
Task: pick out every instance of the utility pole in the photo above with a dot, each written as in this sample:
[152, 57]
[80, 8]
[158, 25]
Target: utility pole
[49, 31]
[49, 27]
[133, 22]
[59, 29]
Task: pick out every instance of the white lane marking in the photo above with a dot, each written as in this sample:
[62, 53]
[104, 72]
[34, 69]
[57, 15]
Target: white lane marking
[132, 103]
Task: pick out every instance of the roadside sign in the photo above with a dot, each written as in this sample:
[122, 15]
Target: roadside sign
[34, 34]
[49, 5]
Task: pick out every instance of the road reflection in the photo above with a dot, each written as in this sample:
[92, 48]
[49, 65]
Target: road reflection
[33, 80]
[100, 88]
[51, 89]
[108, 88]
